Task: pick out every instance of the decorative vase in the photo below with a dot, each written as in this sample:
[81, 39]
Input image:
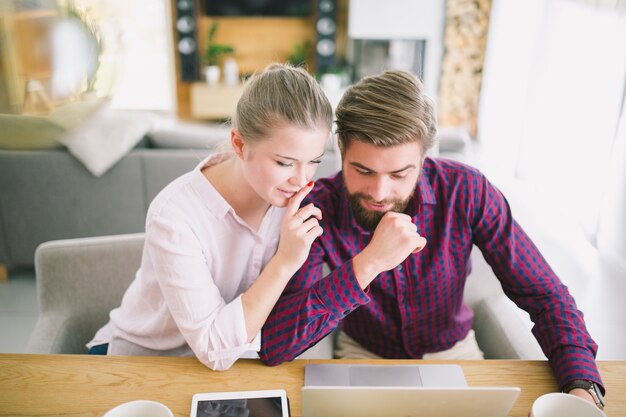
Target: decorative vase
[231, 72]
[212, 74]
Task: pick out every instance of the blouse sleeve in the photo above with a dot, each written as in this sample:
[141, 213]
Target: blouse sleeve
[214, 330]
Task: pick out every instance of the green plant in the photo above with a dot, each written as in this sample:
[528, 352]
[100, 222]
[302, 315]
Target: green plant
[300, 53]
[214, 52]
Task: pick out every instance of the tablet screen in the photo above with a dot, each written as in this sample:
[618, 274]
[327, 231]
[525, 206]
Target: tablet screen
[271, 403]
[251, 407]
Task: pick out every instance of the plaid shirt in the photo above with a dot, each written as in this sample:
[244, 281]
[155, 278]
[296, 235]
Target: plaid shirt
[418, 306]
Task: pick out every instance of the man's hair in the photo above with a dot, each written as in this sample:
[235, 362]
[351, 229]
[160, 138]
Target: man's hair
[386, 110]
[281, 94]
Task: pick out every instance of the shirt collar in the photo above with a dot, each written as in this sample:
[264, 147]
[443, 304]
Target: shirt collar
[212, 199]
[217, 205]
[424, 185]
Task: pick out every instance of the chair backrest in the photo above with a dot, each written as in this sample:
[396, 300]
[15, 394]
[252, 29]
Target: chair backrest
[502, 329]
[79, 281]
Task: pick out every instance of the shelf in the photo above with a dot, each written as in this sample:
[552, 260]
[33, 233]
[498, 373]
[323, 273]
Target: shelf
[33, 14]
[214, 101]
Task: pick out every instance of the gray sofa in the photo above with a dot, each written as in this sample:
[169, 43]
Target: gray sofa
[49, 195]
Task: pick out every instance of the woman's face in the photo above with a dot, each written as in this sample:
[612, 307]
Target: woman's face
[277, 166]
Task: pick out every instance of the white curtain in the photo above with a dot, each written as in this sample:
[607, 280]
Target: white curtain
[611, 236]
[553, 91]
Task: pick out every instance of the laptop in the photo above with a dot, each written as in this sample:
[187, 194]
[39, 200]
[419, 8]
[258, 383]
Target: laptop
[343, 390]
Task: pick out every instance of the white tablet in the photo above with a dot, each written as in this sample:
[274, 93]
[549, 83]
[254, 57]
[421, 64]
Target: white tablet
[264, 403]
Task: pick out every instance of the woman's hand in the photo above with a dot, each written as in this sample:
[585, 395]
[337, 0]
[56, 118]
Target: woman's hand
[300, 227]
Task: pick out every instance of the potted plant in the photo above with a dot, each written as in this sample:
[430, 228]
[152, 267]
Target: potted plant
[300, 53]
[213, 55]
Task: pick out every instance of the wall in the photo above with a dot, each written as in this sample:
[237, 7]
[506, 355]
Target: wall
[258, 41]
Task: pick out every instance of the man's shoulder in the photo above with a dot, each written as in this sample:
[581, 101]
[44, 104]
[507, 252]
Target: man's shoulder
[445, 171]
[445, 166]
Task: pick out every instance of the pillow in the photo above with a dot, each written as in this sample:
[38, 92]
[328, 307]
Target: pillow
[104, 138]
[71, 115]
[182, 135]
[25, 132]
[453, 139]
[30, 132]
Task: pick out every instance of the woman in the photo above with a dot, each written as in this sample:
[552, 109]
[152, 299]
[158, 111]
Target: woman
[212, 265]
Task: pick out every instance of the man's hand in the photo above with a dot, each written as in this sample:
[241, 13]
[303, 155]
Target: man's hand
[394, 239]
[584, 394]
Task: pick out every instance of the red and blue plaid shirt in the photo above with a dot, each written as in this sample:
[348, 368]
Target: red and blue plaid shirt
[418, 307]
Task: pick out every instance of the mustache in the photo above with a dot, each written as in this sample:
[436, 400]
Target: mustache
[370, 199]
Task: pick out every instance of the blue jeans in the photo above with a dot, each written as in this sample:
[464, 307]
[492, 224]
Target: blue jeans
[99, 349]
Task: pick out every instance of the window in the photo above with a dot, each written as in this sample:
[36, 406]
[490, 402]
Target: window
[554, 82]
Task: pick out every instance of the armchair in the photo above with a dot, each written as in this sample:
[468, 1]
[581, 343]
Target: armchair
[80, 280]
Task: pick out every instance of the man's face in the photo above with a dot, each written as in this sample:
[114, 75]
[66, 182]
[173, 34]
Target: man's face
[380, 179]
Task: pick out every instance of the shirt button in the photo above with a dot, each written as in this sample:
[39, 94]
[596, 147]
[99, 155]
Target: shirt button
[399, 267]
[257, 265]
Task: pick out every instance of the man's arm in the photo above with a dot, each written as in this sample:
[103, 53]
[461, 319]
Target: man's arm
[529, 281]
[310, 307]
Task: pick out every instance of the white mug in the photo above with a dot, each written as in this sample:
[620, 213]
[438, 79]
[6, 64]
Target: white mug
[140, 408]
[558, 404]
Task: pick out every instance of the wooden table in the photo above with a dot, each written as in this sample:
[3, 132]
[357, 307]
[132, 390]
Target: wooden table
[84, 385]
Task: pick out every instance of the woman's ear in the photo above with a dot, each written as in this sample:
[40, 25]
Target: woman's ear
[237, 142]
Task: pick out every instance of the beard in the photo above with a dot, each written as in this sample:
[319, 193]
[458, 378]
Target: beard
[369, 219]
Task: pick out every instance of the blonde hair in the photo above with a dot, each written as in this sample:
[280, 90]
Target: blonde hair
[386, 110]
[281, 94]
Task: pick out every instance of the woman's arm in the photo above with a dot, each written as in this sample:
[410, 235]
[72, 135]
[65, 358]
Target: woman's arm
[299, 228]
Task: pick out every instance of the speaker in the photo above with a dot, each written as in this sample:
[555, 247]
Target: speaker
[326, 31]
[186, 43]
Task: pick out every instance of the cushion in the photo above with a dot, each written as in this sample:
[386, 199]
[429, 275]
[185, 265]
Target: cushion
[179, 135]
[71, 115]
[453, 139]
[30, 132]
[25, 132]
[106, 137]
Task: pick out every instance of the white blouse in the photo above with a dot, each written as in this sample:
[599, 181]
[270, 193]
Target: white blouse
[199, 256]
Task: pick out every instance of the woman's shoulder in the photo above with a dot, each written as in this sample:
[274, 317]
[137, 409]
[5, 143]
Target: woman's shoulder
[176, 193]
[191, 191]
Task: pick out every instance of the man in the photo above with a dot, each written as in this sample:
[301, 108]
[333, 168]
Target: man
[398, 231]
